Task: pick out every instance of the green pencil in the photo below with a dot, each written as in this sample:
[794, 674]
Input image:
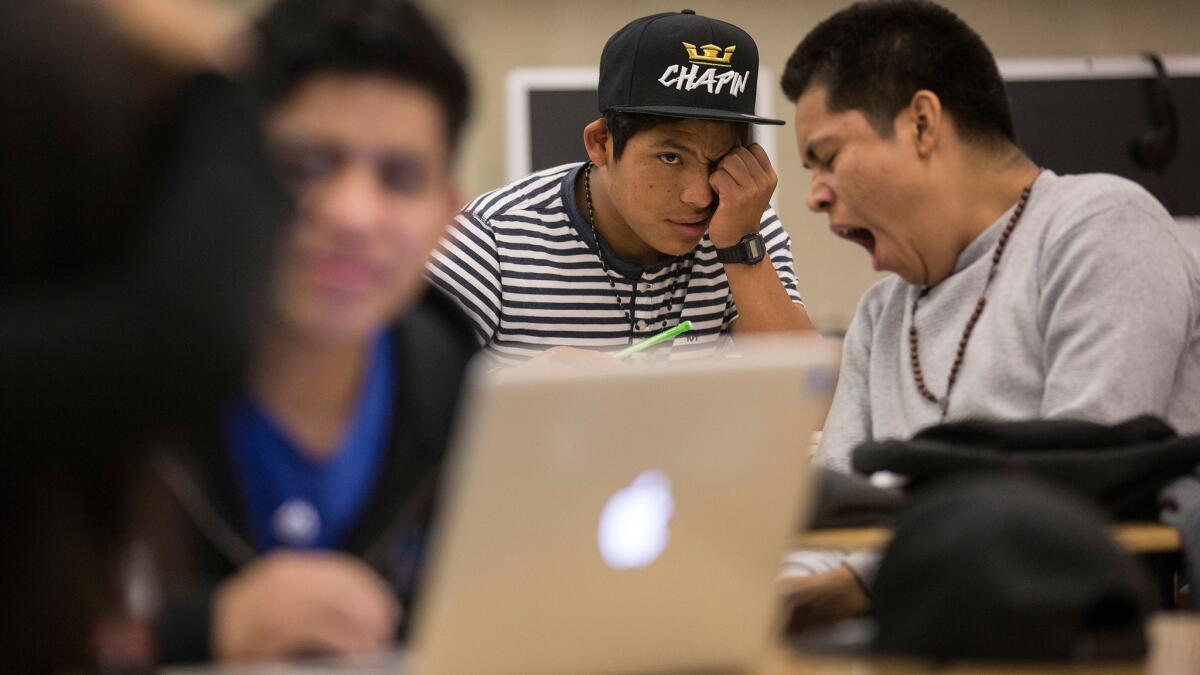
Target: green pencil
[668, 334]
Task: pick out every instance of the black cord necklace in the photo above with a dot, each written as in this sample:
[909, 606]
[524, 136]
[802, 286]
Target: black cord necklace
[591, 216]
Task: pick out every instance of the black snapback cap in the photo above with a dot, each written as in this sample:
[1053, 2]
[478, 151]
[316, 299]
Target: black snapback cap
[996, 567]
[681, 65]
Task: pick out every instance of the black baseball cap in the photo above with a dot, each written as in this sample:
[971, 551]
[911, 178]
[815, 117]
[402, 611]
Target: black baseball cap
[681, 65]
[1002, 567]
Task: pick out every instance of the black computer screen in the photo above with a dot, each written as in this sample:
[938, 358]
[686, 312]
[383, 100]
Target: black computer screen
[1080, 126]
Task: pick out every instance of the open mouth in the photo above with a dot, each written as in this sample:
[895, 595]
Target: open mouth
[859, 235]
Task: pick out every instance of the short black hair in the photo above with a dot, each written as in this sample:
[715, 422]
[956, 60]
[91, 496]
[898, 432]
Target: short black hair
[873, 56]
[623, 126]
[299, 38]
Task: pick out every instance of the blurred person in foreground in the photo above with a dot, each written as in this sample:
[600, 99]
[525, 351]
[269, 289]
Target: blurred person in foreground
[135, 219]
[303, 515]
[1076, 295]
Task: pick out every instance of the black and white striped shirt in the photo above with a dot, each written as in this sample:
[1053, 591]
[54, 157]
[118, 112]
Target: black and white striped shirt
[522, 261]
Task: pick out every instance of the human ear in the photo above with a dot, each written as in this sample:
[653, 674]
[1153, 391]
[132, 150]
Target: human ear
[924, 114]
[597, 142]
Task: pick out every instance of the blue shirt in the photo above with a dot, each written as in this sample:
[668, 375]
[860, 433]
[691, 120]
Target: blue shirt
[296, 502]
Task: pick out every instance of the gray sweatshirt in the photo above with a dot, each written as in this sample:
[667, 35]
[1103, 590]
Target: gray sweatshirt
[1094, 314]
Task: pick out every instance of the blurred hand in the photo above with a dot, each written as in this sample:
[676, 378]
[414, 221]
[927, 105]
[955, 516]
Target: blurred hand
[744, 182]
[823, 599]
[573, 357]
[290, 603]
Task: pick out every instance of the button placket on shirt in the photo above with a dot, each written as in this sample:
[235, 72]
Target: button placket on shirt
[639, 287]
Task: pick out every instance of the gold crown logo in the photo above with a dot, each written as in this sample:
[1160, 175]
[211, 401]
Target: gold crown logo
[709, 54]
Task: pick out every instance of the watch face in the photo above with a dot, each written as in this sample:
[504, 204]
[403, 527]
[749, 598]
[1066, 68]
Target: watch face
[749, 250]
[754, 247]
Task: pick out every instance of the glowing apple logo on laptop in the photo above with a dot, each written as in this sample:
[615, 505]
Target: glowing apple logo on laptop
[634, 526]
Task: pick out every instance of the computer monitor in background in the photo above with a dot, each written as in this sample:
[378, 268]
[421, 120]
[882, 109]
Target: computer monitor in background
[1083, 115]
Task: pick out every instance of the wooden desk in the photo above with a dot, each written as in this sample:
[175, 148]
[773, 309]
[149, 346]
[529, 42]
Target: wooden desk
[1175, 650]
[1136, 538]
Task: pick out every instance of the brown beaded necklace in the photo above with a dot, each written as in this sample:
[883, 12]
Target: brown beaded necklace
[943, 403]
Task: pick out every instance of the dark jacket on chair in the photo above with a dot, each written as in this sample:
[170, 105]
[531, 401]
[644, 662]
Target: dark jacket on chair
[1120, 467]
[1137, 470]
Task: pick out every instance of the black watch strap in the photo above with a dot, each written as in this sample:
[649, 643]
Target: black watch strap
[748, 251]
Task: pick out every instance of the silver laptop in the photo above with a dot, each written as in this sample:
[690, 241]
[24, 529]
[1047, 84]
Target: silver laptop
[621, 518]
